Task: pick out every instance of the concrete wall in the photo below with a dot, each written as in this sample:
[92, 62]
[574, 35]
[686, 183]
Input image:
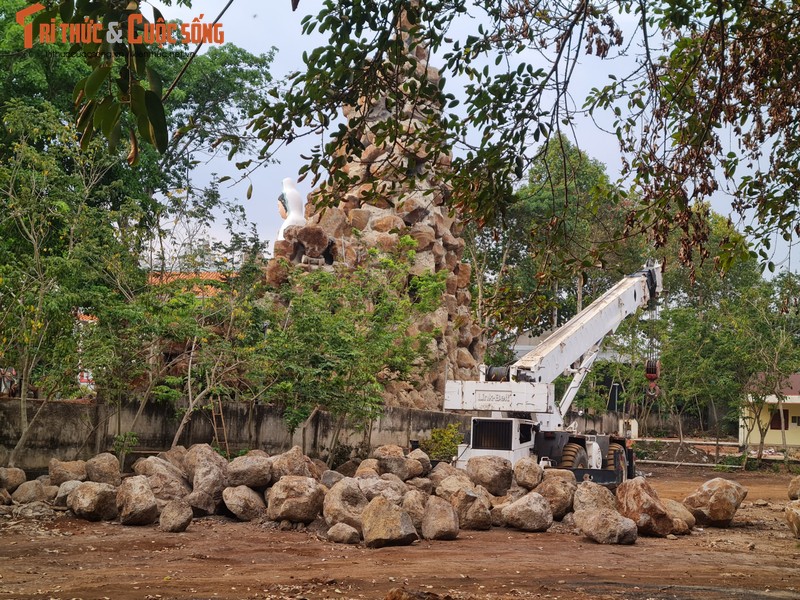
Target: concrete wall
[69, 431]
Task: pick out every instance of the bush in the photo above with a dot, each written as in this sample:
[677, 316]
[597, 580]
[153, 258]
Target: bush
[443, 443]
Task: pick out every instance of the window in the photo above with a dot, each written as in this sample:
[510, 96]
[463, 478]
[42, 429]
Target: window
[775, 423]
[796, 420]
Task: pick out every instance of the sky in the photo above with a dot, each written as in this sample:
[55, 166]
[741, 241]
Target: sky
[258, 26]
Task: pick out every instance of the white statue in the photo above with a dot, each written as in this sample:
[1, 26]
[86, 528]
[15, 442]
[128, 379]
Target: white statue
[290, 207]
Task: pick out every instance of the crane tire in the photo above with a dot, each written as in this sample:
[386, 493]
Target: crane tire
[574, 457]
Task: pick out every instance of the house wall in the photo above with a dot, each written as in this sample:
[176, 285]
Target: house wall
[774, 437]
[70, 431]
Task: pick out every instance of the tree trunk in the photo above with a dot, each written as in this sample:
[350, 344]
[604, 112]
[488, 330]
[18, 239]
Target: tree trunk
[23, 439]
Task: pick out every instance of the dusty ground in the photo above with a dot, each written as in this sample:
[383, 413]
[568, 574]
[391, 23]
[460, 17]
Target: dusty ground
[216, 558]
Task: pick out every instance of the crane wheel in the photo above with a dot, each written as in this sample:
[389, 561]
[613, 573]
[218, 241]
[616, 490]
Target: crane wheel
[610, 457]
[574, 457]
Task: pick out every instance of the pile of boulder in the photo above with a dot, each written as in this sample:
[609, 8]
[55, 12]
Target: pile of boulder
[793, 508]
[392, 498]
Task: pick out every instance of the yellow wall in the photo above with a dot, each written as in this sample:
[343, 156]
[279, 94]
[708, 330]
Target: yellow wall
[774, 437]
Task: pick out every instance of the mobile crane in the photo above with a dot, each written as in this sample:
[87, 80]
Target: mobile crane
[526, 418]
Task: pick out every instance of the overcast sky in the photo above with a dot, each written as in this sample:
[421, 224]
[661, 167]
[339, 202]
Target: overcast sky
[258, 26]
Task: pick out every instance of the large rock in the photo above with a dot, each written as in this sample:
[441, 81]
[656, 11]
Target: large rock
[396, 465]
[29, 491]
[103, 468]
[155, 465]
[293, 462]
[606, 526]
[61, 471]
[344, 503]
[391, 488]
[93, 501]
[295, 498]
[342, 533]
[11, 478]
[793, 517]
[136, 502]
[386, 524]
[166, 488]
[387, 451]
[473, 509]
[176, 457]
[593, 496]
[422, 484]
[528, 473]
[423, 458]
[559, 493]
[440, 521]
[330, 478]
[716, 502]
[414, 504]
[794, 487]
[532, 512]
[64, 491]
[679, 512]
[637, 500]
[448, 486]
[209, 473]
[442, 471]
[244, 502]
[252, 470]
[5, 497]
[34, 510]
[175, 516]
[559, 474]
[492, 472]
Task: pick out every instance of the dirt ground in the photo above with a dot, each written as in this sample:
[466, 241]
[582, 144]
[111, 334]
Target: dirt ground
[757, 558]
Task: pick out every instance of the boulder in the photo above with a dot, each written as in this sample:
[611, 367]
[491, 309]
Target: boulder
[342, 533]
[414, 504]
[422, 484]
[176, 457]
[440, 520]
[61, 471]
[532, 512]
[715, 502]
[442, 471]
[592, 496]
[11, 478]
[93, 501]
[606, 526]
[5, 498]
[166, 488]
[792, 511]
[293, 462]
[244, 502]
[103, 468]
[559, 493]
[330, 478]
[794, 487]
[387, 451]
[678, 511]
[136, 502]
[391, 489]
[175, 516]
[63, 491]
[34, 510]
[367, 468]
[415, 468]
[492, 472]
[637, 500]
[450, 485]
[50, 493]
[152, 465]
[296, 499]
[423, 458]
[386, 524]
[473, 509]
[208, 472]
[528, 473]
[396, 465]
[349, 468]
[344, 503]
[30, 491]
[252, 470]
[560, 474]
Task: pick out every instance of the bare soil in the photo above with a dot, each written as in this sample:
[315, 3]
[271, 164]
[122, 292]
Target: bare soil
[756, 558]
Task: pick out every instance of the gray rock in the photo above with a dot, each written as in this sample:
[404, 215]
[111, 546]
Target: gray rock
[423, 484]
[103, 468]
[342, 533]
[30, 491]
[209, 478]
[715, 502]
[63, 491]
[532, 512]
[155, 465]
[66, 471]
[166, 488]
[251, 470]
[792, 512]
[637, 500]
[11, 478]
[606, 526]
[50, 493]
[93, 501]
[794, 487]
[592, 496]
[528, 473]
[175, 516]
[293, 462]
[176, 457]
[345, 503]
[414, 503]
[330, 478]
[440, 521]
[559, 493]
[396, 465]
[244, 502]
[136, 502]
[391, 489]
[473, 509]
[386, 524]
[295, 498]
[450, 485]
[34, 510]
[442, 471]
[492, 472]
